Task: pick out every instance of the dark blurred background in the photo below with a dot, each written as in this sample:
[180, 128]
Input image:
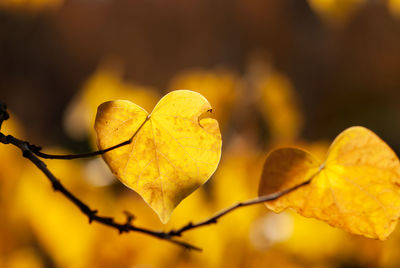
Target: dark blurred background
[275, 71]
[344, 63]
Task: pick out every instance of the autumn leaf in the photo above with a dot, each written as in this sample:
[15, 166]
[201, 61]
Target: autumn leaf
[356, 188]
[279, 105]
[394, 7]
[106, 83]
[31, 5]
[219, 86]
[175, 150]
[335, 11]
[60, 223]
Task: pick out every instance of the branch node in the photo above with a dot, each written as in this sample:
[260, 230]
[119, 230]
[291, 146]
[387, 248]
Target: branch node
[56, 185]
[92, 214]
[7, 139]
[124, 228]
[3, 113]
[34, 148]
[129, 217]
[25, 153]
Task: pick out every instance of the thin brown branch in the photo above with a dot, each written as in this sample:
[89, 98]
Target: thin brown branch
[37, 149]
[31, 152]
[215, 218]
[91, 214]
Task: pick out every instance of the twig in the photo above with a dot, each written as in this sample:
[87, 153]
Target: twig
[214, 219]
[37, 149]
[25, 147]
[91, 214]
[30, 151]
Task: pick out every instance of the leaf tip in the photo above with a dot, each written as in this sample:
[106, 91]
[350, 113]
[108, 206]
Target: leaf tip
[164, 216]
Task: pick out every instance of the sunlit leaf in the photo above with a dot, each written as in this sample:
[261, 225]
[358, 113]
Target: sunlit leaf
[196, 208]
[235, 180]
[105, 84]
[24, 258]
[355, 188]
[339, 242]
[176, 149]
[218, 86]
[58, 226]
[280, 107]
[394, 7]
[10, 157]
[31, 5]
[335, 11]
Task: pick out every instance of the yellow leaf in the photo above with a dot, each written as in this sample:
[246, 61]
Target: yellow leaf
[60, 229]
[355, 188]
[335, 11]
[105, 84]
[176, 148]
[219, 86]
[31, 5]
[394, 7]
[24, 258]
[279, 104]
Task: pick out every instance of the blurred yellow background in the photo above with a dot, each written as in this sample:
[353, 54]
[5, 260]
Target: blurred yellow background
[277, 73]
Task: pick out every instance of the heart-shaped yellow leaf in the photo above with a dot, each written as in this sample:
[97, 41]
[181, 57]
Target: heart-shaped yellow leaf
[356, 188]
[174, 151]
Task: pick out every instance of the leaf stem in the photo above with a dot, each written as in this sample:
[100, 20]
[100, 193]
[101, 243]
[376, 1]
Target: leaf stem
[37, 150]
[215, 218]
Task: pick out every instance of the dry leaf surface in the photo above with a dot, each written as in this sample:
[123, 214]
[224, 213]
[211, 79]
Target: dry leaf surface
[356, 188]
[175, 150]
